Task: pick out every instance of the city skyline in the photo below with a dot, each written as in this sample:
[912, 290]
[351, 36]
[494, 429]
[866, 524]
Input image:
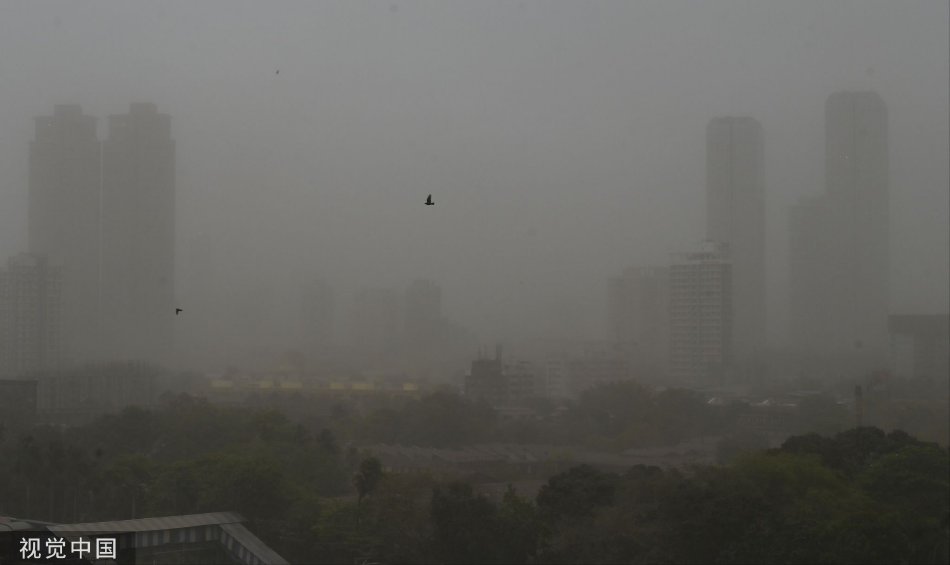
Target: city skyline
[562, 160]
[137, 222]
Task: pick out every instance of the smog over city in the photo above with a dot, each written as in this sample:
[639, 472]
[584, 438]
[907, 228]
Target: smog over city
[463, 281]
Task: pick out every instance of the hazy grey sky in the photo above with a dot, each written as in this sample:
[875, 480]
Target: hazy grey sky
[562, 141]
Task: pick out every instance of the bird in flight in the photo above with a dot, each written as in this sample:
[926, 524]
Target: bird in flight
[178, 311]
[429, 201]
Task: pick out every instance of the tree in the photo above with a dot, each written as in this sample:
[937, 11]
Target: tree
[366, 479]
[466, 528]
[915, 481]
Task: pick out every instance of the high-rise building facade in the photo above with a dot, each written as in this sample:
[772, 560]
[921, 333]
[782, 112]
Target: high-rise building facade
[638, 314]
[138, 235]
[30, 316]
[857, 171]
[64, 185]
[735, 216]
[701, 315]
[840, 242]
[815, 282]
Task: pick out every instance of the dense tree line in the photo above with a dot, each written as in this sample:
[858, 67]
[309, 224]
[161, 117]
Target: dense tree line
[862, 496]
[611, 417]
[859, 496]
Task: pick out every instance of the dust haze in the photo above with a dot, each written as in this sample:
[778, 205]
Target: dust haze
[561, 141]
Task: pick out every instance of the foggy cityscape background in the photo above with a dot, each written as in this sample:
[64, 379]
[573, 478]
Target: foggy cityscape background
[685, 256]
[556, 156]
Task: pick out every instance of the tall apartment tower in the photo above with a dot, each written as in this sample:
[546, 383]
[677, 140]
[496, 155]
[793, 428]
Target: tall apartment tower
[735, 216]
[816, 279]
[64, 185]
[839, 247]
[138, 241]
[701, 315]
[30, 315]
[856, 172]
[638, 315]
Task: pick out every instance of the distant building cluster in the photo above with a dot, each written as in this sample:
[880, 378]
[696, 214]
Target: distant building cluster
[550, 370]
[406, 330]
[98, 282]
[702, 319]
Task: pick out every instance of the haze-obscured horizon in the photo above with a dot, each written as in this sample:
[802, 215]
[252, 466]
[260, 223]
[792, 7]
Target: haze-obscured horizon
[561, 141]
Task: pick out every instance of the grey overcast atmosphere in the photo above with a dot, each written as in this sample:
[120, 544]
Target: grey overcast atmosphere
[522, 281]
[562, 141]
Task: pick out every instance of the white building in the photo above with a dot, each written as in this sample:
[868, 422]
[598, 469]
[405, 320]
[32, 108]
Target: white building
[701, 314]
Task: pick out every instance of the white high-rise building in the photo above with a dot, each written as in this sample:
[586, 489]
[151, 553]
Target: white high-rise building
[701, 315]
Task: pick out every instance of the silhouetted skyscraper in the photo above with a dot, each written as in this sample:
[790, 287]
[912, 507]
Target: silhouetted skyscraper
[138, 235]
[735, 215]
[840, 242]
[857, 170]
[64, 187]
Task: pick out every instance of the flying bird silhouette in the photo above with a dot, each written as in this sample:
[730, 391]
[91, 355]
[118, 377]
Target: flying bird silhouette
[429, 201]
[178, 311]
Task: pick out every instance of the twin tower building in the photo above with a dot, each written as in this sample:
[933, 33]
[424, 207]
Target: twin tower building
[103, 212]
[711, 320]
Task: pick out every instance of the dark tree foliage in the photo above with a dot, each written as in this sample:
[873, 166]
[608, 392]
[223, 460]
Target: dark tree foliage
[860, 496]
[576, 493]
[852, 450]
[884, 498]
[368, 477]
[468, 528]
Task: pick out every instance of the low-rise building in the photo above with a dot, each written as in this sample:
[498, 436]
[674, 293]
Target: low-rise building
[501, 384]
[212, 538]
